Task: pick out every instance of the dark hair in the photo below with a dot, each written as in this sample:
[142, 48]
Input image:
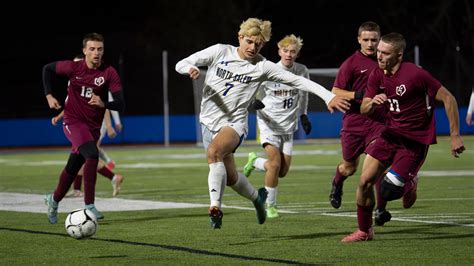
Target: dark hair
[92, 37]
[369, 26]
[396, 40]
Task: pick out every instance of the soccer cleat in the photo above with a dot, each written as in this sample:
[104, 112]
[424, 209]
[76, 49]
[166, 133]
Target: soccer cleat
[110, 165]
[335, 198]
[52, 208]
[116, 184]
[409, 197]
[272, 212]
[359, 236]
[93, 209]
[215, 217]
[248, 168]
[381, 217]
[259, 204]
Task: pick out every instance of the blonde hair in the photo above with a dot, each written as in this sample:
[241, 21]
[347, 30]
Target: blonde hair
[289, 40]
[256, 27]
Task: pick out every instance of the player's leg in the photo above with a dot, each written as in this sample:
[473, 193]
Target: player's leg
[272, 166]
[66, 178]
[115, 179]
[381, 215]
[353, 144]
[91, 154]
[366, 200]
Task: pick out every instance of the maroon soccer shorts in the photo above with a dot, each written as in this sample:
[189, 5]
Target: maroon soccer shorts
[80, 133]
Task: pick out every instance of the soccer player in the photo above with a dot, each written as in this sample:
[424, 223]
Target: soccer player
[232, 79]
[408, 92]
[279, 120]
[90, 80]
[357, 130]
[470, 110]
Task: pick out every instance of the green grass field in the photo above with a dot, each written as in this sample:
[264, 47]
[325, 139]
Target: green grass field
[437, 230]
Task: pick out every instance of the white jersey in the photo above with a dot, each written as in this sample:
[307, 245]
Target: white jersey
[283, 104]
[231, 83]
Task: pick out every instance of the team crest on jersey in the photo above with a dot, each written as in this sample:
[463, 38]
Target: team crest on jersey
[400, 90]
[99, 81]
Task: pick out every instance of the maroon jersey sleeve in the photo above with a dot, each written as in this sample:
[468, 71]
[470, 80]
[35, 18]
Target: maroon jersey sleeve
[344, 75]
[374, 83]
[114, 80]
[64, 68]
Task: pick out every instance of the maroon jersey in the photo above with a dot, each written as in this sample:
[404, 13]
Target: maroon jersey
[411, 93]
[84, 81]
[352, 76]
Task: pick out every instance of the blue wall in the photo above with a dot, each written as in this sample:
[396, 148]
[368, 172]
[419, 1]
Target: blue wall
[149, 129]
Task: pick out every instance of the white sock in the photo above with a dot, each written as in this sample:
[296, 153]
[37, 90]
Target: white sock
[272, 196]
[260, 164]
[244, 188]
[216, 181]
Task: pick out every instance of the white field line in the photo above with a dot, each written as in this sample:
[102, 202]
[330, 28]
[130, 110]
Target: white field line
[412, 219]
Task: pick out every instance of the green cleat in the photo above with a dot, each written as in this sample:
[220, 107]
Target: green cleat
[215, 217]
[272, 212]
[248, 168]
[93, 209]
[52, 208]
[259, 204]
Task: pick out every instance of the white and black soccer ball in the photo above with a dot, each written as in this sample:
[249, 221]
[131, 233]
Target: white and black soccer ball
[81, 224]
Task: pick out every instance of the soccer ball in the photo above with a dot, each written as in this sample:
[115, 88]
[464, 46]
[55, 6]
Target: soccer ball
[81, 224]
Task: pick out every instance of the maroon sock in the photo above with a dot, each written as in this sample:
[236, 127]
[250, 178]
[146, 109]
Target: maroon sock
[339, 178]
[106, 172]
[90, 177]
[381, 203]
[364, 217]
[77, 182]
[65, 182]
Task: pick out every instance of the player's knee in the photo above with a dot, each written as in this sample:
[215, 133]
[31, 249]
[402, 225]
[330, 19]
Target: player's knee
[89, 150]
[391, 187]
[347, 169]
[74, 164]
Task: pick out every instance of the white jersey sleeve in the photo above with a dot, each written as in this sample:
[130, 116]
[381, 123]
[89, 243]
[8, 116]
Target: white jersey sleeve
[470, 109]
[275, 73]
[202, 58]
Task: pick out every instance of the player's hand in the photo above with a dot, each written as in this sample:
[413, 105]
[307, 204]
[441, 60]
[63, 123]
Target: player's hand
[194, 73]
[379, 99]
[52, 102]
[257, 104]
[340, 103]
[96, 101]
[469, 119]
[111, 132]
[54, 120]
[457, 145]
[306, 124]
[118, 127]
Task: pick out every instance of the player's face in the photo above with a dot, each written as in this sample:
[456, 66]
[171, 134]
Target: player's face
[93, 52]
[387, 57]
[368, 41]
[249, 46]
[288, 55]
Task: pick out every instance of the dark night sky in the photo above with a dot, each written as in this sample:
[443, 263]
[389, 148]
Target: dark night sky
[139, 32]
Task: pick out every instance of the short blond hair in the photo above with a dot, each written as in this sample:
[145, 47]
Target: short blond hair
[289, 40]
[256, 27]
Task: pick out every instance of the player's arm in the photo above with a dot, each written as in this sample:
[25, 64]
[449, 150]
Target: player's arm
[108, 124]
[190, 65]
[118, 104]
[353, 95]
[275, 73]
[470, 110]
[49, 71]
[369, 104]
[451, 107]
[56, 119]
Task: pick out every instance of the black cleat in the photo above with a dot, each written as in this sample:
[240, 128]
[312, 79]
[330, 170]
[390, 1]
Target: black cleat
[215, 217]
[381, 217]
[335, 198]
